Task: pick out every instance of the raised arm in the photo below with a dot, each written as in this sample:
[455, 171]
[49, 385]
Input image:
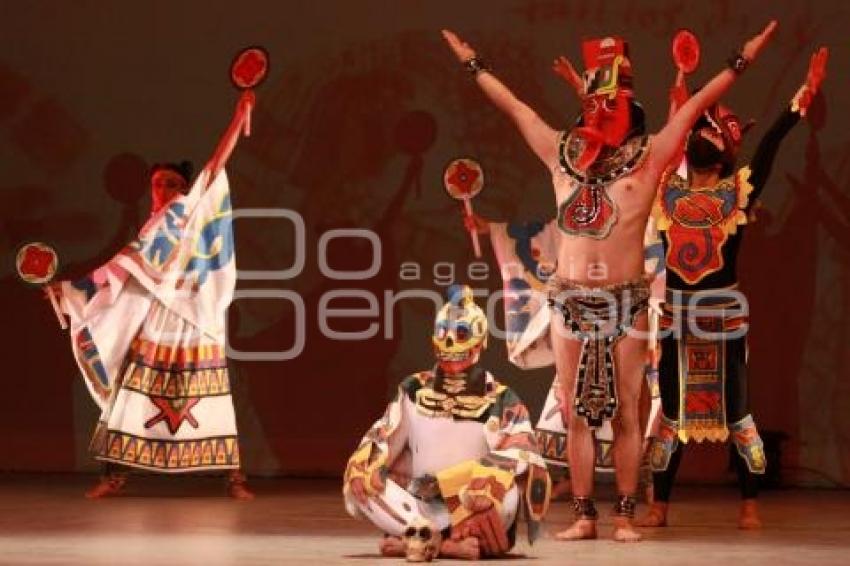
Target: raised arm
[670, 139]
[231, 135]
[678, 97]
[564, 69]
[678, 94]
[762, 161]
[538, 134]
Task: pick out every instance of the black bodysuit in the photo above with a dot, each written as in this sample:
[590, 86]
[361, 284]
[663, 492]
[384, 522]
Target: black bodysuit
[702, 230]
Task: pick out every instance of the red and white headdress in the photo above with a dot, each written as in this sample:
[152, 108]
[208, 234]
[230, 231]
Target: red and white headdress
[607, 66]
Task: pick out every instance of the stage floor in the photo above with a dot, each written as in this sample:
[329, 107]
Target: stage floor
[175, 521]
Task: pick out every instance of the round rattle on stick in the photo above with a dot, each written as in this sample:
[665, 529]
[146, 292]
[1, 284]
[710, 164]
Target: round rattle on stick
[249, 68]
[36, 264]
[464, 179]
[686, 51]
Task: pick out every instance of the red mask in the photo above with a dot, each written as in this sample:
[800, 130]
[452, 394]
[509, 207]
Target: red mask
[606, 119]
[606, 108]
[715, 139]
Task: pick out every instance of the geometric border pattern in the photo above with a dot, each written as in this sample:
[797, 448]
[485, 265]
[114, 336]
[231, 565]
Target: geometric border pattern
[166, 455]
[175, 385]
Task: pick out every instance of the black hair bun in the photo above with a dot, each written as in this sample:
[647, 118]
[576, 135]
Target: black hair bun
[185, 169]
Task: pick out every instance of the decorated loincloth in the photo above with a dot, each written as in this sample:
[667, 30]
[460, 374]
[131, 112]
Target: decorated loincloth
[701, 323]
[599, 317]
[552, 433]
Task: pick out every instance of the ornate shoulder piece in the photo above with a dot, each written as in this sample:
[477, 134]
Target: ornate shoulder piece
[605, 170]
[749, 444]
[443, 405]
[424, 377]
[670, 182]
[415, 382]
[493, 387]
[677, 182]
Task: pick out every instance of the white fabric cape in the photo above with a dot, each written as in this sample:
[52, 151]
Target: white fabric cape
[166, 292]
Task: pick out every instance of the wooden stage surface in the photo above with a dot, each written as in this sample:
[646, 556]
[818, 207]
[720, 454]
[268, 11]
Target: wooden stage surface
[173, 521]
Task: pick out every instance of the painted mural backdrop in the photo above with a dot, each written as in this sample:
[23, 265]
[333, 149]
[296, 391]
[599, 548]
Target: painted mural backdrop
[352, 129]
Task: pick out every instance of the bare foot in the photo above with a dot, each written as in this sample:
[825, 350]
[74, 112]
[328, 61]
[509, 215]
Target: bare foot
[240, 492]
[624, 531]
[580, 530]
[391, 546]
[464, 549]
[655, 517]
[748, 519]
[108, 486]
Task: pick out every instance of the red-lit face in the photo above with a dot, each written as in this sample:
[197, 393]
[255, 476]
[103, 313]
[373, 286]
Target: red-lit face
[165, 186]
[607, 119]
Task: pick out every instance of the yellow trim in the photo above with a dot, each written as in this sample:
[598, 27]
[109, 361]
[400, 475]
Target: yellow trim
[362, 465]
[795, 102]
[745, 188]
[611, 88]
[504, 477]
[452, 480]
[699, 433]
[459, 515]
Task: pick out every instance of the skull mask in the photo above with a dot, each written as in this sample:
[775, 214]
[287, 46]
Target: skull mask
[421, 540]
[460, 331]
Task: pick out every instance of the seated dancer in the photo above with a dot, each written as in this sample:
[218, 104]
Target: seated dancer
[148, 331]
[605, 171]
[526, 252]
[703, 372]
[454, 453]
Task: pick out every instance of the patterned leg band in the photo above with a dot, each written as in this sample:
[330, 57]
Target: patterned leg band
[584, 508]
[625, 506]
[664, 444]
[749, 444]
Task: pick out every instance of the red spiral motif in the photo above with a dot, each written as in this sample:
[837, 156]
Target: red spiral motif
[693, 251]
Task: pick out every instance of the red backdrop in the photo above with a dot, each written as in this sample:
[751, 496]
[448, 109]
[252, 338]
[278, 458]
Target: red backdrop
[353, 127]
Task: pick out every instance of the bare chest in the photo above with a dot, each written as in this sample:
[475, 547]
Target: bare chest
[592, 203]
[596, 212]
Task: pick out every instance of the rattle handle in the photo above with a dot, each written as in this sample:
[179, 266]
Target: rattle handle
[63, 324]
[476, 245]
[246, 128]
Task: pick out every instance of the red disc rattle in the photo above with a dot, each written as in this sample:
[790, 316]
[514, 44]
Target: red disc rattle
[463, 179]
[686, 51]
[250, 67]
[36, 264]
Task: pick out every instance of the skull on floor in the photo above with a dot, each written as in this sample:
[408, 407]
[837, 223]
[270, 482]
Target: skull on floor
[421, 540]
